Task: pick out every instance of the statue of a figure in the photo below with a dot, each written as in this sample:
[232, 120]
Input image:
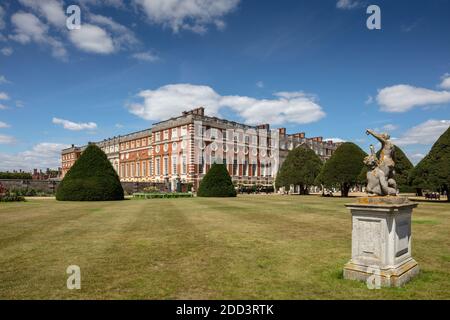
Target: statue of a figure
[380, 178]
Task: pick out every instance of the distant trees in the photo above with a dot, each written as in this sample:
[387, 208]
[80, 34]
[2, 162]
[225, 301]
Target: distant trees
[217, 183]
[343, 168]
[403, 168]
[433, 172]
[15, 175]
[300, 168]
[91, 178]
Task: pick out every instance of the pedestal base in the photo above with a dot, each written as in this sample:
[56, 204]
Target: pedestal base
[395, 276]
[381, 241]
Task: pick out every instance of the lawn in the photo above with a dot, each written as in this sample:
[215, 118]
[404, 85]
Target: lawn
[250, 247]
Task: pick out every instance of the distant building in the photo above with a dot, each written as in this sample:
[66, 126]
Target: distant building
[183, 148]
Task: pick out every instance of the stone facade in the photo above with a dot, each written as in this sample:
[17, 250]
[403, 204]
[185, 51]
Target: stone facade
[182, 149]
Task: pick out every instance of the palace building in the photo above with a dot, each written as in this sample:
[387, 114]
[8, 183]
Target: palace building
[182, 149]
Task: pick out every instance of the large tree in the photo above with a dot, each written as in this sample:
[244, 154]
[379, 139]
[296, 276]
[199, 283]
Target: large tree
[402, 168]
[91, 178]
[343, 168]
[300, 168]
[216, 183]
[433, 172]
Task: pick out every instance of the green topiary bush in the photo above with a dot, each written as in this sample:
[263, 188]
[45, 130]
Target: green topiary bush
[91, 178]
[217, 183]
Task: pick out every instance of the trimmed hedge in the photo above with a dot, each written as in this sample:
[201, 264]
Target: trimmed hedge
[91, 178]
[217, 183]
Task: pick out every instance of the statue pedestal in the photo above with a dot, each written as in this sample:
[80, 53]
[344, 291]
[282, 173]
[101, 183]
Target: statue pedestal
[381, 241]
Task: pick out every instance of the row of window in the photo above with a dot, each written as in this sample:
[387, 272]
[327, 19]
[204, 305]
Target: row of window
[147, 168]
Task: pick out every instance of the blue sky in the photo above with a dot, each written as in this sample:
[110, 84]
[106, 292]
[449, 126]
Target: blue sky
[308, 66]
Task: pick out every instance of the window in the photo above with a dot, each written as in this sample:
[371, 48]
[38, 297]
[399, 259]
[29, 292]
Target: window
[166, 166]
[174, 165]
[144, 168]
[158, 136]
[254, 167]
[122, 170]
[158, 166]
[201, 163]
[138, 169]
[235, 167]
[132, 170]
[127, 145]
[183, 131]
[138, 143]
[166, 134]
[245, 169]
[150, 167]
[126, 170]
[174, 133]
[184, 165]
[213, 133]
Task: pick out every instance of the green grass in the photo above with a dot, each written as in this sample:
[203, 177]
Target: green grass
[250, 247]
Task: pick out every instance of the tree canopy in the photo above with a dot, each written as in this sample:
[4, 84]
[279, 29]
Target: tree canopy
[343, 168]
[91, 178]
[216, 183]
[433, 172]
[300, 168]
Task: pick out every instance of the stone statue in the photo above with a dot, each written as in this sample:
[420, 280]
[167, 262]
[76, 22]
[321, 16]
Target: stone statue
[380, 178]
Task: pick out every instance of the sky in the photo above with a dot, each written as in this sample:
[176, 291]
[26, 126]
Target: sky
[309, 66]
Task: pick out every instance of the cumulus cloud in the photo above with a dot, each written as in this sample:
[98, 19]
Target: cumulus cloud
[4, 96]
[402, 98]
[260, 84]
[51, 10]
[4, 139]
[147, 56]
[4, 125]
[28, 28]
[335, 140]
[3, 80]
[425, 133]
[347, 4]
[7, 51]
[171, 100]
[122, 36]
[390, 127]
[41, 156]
[193, 15]
[91, 38]
[445, 84]
[74, 126]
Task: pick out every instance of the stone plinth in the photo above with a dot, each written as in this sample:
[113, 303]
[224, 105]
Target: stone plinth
[381, 241]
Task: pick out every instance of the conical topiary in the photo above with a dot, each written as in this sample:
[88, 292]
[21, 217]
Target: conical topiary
[217, 183]
[91, 178]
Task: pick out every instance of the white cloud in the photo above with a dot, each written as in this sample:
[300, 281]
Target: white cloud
[28, 28]
[147, 56]
[19, 104]
[4, 139]
[260, 84]
[369, 100]
[425, 133]
[91, 38]
[4, 96]
[110, 3]
[193, 15]
[51, 10]
[41, 156]
[3, 107]
[416, 157]
[171, 100]
[401, 98]
[445, 84]
[7, 51]
[4, 125]
[347, 4]
[390, 127]
[335, 140]
[74, 126]
[122, 36]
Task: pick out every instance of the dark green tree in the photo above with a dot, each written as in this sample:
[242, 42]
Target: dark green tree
[216, 183]
[300, 168]
[433, 172]
[343, 168]
[403, 168]
[91, 178]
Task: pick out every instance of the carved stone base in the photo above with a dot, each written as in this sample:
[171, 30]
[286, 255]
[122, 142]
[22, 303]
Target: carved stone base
[381, 241]
[395, 276]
